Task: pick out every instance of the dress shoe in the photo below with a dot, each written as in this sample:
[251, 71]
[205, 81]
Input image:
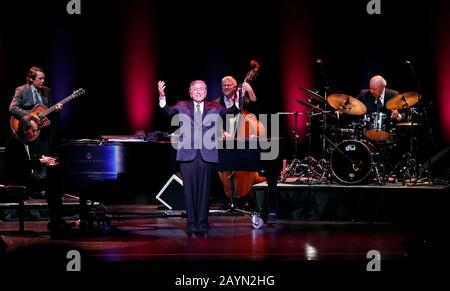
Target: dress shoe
[190, 229]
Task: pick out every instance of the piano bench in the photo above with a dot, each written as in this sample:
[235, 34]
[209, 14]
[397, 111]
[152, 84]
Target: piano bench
[12, 197]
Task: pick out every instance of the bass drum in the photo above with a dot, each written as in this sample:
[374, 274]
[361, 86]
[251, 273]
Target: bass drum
[351, 161]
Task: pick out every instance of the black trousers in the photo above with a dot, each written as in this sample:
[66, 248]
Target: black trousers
[52, 184]
[197, 175]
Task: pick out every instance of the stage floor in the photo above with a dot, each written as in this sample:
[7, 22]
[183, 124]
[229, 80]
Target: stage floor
[231, 238]
[146, 240]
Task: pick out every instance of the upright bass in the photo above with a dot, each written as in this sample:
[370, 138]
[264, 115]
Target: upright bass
[239, 183]
[248, 126]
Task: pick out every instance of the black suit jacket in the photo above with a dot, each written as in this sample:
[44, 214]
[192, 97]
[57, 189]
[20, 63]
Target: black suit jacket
[221, 101]
[17, 163]
[369, 100]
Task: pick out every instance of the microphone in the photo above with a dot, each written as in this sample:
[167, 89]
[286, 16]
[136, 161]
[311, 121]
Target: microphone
[319, 61]
[407, 63]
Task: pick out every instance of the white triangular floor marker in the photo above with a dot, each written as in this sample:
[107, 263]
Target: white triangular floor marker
[174, 177]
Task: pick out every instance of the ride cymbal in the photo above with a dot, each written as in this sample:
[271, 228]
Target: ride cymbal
[402, 100]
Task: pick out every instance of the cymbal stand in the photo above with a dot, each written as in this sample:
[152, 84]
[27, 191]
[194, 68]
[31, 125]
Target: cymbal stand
[411, 170]
[290, 169]
[310, 168]
[326, 173]
[307, 166]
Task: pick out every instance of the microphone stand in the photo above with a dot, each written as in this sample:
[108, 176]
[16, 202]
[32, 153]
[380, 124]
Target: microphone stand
[413, 169]
[326, 89]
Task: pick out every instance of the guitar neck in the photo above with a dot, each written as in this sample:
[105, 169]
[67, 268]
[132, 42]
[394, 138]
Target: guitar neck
[53, 108]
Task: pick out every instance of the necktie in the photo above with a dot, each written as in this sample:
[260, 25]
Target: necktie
[197, 127]
[198, 114]
[37, 99]
[379, 104]
[230, 102]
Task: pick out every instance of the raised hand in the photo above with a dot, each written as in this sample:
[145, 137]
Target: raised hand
[161, 88]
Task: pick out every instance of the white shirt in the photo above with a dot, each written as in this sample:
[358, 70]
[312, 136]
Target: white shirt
[162, 102]
[28, 151]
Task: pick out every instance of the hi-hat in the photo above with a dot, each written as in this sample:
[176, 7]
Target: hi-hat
[407, 124]
[347, 104]
[403, 100]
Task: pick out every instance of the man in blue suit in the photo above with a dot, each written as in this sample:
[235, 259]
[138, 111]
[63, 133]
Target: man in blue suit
[200, 123]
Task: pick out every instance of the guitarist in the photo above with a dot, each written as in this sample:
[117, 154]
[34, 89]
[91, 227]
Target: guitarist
[31, 94]
[26, 97]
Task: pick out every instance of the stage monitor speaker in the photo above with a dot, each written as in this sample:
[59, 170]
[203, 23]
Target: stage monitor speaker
[172, 194]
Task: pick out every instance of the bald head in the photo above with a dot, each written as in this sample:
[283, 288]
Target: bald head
[378, 81]
[377, 85]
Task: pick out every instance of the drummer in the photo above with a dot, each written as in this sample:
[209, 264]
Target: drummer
[377, 96]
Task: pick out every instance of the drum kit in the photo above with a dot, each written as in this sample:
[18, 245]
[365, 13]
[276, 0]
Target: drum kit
[358, 151]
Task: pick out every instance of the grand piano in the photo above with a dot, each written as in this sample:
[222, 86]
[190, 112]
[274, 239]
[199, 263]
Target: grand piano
[129, 169]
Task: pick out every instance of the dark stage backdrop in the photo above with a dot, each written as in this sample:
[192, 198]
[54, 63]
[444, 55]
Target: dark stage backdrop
[118, 50]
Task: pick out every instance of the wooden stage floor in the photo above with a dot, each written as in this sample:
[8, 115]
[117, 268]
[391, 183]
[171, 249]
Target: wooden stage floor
[141, 243]
[158, 246]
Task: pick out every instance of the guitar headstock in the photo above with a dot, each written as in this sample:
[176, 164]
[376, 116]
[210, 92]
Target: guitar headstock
[78, 93]
[252, 73]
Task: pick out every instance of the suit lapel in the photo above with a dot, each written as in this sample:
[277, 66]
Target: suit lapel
[45, 97]
[205, 109]
[29, 94]
[190, 106]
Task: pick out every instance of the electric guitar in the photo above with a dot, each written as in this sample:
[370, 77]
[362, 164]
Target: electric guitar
[42, 111]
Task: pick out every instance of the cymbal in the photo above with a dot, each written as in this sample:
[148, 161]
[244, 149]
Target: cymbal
[407, 124]
[403, 100]
[347, 104]
[307, 104]
[313, 95]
